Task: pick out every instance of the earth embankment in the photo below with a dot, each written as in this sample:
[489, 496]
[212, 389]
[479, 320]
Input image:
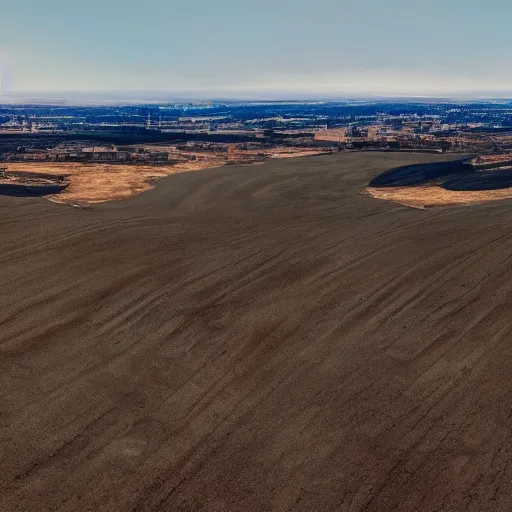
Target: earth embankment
[449, 183]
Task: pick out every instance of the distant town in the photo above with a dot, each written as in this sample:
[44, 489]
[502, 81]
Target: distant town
[145, 142]
[59, 132]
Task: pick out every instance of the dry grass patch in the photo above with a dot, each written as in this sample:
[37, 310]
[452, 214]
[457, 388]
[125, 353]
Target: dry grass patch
[97, 183]
[429, 196]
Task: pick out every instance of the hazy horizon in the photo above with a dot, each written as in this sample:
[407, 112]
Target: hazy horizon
[121, 97]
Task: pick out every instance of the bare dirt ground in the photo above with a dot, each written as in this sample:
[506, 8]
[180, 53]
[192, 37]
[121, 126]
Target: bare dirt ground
[256, 339]
[332, 134]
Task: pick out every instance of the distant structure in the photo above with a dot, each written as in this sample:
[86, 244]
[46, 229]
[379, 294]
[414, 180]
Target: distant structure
[356, 132]
[26, 125]
[152, 123]
[232, 152]
[106, 154]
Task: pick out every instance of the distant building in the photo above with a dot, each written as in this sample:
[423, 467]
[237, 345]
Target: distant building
[356, 132]
[107, 154]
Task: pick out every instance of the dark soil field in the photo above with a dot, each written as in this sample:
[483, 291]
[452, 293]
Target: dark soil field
[256, 339]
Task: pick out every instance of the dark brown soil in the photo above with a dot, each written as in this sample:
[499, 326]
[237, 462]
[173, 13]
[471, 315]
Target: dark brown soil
[256, 339]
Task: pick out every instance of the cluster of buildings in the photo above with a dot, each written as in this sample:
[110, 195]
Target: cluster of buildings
[94, 154]
[357, 132]
[108, 154]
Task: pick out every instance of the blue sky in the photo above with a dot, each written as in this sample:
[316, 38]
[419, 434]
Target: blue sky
[323, 47]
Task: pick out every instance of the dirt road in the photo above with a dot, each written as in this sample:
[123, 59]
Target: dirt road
[256, 339]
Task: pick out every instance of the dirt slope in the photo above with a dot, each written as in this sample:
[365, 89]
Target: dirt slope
[256, 339]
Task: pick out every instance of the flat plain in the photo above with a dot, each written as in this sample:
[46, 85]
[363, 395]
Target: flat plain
[256, 338]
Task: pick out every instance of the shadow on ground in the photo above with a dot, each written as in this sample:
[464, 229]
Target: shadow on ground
[455, 175]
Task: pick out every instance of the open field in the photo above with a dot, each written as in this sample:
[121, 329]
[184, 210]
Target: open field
[258, 338]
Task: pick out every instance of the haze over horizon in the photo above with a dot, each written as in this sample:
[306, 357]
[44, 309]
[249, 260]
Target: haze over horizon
[259, 49]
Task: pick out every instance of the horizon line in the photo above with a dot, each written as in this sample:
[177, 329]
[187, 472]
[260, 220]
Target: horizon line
[125, 96]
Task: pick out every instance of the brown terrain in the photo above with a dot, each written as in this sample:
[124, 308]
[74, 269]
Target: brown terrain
[429, 196]
[91, 183]
[256, 338]
[100, 182]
